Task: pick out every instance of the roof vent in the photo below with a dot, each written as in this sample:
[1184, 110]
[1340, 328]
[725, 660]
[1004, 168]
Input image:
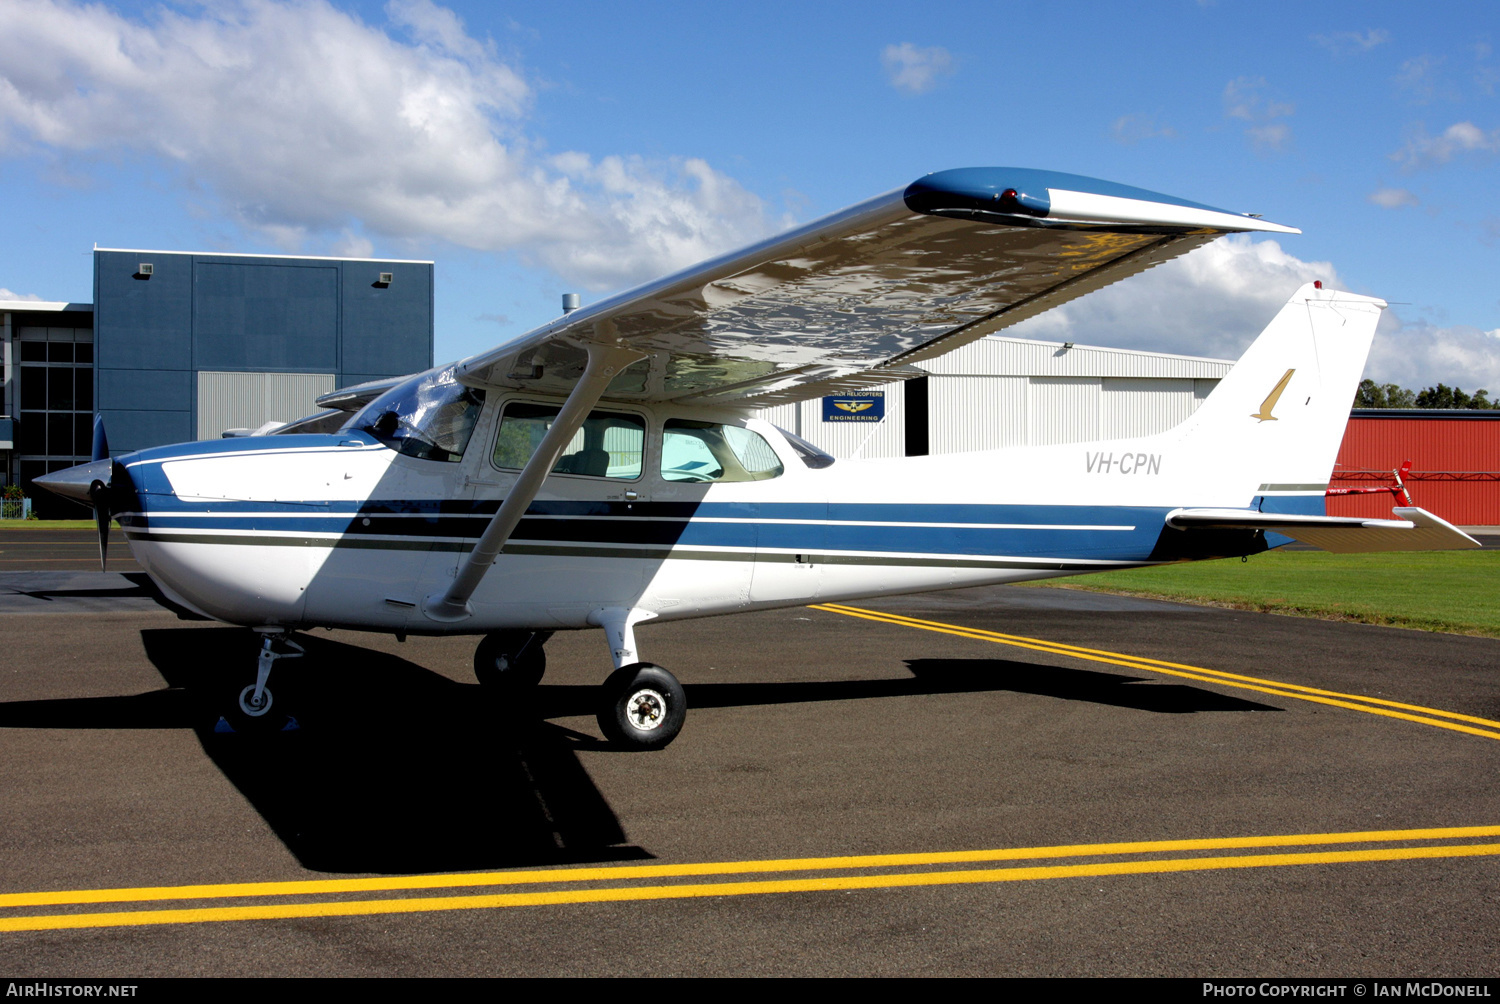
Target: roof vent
[570, 303]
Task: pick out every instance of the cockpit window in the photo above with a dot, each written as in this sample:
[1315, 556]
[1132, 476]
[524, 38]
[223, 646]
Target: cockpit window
[609, 445]
[430, 416]
[707, 451]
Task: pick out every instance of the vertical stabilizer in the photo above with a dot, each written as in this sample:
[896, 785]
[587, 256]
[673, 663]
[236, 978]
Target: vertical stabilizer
[1273, 425]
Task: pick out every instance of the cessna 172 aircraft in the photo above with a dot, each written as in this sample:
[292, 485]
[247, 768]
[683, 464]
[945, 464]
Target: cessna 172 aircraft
[605, 469]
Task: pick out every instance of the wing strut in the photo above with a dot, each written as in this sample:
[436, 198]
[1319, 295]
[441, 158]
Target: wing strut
[605, 362]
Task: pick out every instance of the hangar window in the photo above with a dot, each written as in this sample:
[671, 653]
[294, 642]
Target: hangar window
[430, 416]
[708, 451]
[609, 445]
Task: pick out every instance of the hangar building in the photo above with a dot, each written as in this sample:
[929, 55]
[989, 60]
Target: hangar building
[179, 346]
[1001, 391]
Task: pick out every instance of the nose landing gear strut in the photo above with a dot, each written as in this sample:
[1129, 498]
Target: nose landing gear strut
[253, 707]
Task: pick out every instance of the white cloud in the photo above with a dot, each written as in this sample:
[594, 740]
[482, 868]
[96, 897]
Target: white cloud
[1345, 42]
[1244, 100]
[6, 294]
[916, 70]
[1418, 76]
[1418, 354]
[304, 121]
[1130, 129]
[1271, 136]
[1392, 198]
[1214, 301]
[1422, 150]
[1211, 302]
[353, 245]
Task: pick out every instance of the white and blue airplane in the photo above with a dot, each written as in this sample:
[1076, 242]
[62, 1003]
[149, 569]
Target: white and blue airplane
[607, 469]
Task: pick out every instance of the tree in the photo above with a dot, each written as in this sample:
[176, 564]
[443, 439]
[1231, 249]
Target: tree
[1443, 396]
[1373, 395]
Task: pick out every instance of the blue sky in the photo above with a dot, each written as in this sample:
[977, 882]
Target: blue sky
[532, 149]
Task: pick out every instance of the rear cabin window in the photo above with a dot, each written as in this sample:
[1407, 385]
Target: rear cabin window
[609, 445]
[706, 451]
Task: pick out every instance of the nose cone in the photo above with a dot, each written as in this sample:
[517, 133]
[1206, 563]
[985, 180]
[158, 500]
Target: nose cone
[75, 482]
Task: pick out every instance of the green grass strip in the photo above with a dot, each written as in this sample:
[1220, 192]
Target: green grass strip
[1457, 592]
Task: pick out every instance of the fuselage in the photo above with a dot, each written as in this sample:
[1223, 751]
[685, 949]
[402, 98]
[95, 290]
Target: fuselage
[345, 531]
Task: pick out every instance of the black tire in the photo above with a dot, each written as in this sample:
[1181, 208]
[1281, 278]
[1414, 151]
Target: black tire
[238, 712]
[511, 661]
[631, 714]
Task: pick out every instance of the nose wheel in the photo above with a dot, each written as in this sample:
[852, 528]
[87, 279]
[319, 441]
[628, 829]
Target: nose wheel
[642, 708]
[253, 705]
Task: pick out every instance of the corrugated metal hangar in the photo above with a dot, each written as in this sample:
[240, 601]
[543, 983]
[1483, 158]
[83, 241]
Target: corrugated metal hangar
[179, 346]
[1002, 391]
[1455, 459]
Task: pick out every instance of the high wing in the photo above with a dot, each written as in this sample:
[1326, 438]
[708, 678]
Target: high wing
[1414, 529]
[851, 300]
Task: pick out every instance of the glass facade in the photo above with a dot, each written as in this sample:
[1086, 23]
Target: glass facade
[54, 400]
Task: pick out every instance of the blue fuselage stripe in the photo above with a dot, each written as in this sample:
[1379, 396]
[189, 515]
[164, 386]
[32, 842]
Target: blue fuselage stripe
[1082, 532]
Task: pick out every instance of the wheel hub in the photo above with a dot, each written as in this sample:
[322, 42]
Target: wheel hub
[646, 709]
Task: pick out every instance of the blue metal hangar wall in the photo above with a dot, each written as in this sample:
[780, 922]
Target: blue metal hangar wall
[183, 346]
[187, 345]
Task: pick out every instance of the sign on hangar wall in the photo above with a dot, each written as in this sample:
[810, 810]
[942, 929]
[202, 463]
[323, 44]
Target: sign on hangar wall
[856, 406]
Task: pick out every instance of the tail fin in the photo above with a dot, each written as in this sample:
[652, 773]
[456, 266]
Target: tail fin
[1273, 425]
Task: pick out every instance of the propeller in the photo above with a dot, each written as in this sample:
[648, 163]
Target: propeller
[99, 491]
[89, 484]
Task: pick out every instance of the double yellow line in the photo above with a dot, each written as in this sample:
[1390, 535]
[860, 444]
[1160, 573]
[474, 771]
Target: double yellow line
[1353, 702]
[633, 882]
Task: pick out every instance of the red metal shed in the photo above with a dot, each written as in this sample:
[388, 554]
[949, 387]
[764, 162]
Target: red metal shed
[1455, 459]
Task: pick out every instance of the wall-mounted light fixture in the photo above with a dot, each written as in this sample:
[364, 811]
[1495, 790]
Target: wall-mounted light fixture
[144, 270]
[383, 281]
[1067, 345]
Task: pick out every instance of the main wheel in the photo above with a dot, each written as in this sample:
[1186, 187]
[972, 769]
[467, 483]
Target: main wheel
[511, 661]
[643, 707]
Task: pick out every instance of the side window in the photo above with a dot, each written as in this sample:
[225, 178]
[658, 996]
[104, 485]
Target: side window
[608, 446]
[707, 451]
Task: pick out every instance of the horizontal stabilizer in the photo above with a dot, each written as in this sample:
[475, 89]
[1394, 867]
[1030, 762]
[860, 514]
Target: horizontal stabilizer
[1415, 530]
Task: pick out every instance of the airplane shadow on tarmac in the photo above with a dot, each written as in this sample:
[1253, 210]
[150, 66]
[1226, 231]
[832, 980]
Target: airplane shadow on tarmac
[394, 768]
[972, 676]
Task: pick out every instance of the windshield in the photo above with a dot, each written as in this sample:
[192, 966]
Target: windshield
[430, 416]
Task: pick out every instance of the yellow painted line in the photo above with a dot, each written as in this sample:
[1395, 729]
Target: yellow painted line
[617, 894]
[1148, 662]
[231, 890]
[1369, 705]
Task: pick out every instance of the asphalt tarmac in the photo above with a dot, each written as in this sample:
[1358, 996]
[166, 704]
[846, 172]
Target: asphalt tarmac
[958, 729]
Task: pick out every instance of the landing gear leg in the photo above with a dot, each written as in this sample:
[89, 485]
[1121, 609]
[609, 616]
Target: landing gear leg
[254, 704]
[642, 706]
